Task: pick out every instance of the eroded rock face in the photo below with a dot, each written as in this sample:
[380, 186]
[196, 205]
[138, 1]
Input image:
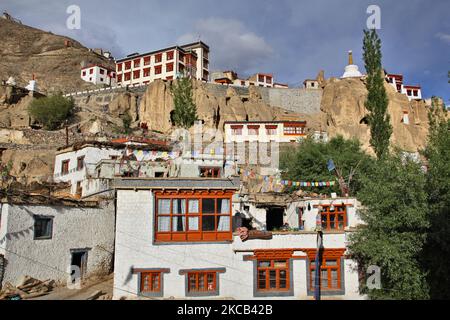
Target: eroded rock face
[157, 104]
[30, 165]
[343, 103]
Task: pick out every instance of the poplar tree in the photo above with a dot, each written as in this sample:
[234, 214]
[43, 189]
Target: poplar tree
[185, 111]
[377, 100]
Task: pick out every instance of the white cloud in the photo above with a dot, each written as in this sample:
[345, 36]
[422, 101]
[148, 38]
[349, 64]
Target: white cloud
[233, 45]
[443, 37]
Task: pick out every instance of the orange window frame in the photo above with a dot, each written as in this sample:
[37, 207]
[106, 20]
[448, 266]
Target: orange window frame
[330, 263]
[273, 268]
[202, 281]
[334, 220]
[197, 235]
[150, 282]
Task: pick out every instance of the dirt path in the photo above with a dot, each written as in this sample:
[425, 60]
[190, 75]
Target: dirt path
[104, 285]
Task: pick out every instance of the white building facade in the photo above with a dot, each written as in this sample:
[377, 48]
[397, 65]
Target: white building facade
[175, 239]
[99, 75]
[264, 131]
[44, 241]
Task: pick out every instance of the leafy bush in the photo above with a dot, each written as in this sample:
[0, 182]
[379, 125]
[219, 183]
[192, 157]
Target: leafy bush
[51, 111]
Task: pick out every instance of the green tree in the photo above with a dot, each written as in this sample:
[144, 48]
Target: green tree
[185, 111]
[396, 223]
[377, 100]
[126, 120]
[437, 187]
[308, 162]
[51, 111]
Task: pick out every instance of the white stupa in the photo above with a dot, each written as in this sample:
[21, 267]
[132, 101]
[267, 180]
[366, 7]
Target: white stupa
[32, 86]
[352, 70]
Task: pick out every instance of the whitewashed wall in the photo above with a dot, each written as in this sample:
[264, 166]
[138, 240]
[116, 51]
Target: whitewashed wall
[73, 228]
[135, 249]
[92, 157]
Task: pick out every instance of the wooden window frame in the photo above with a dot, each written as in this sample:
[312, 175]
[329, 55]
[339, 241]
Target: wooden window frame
[337, 213]
[127, 65]
[277, 270]
[146, 72]
[147, 61]
[153, 275]
[158, 69]
[170, 55]
[201, 279]
[46, 237]
[65, 167]
[157, 291]
[158, 58]
[127, 76]
[169, 67]
[215, 169]
[136, 74]
[336, 255]
[119, 67]
[293, 130]
[137, 63]
[193, 235]
[80, 163]
[253, 130]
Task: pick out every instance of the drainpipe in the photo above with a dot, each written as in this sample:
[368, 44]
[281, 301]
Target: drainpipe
[318, 255]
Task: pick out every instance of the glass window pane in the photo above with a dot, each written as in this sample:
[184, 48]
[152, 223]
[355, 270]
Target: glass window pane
[334, 279]
[280, 264]
[208, 223]
[194, 224]
[324, 279]
[262, 279]
[164, 206]
[223, 223]
[178, 224]
[164, 224]
[208, 205]
[210, 281]
[179, 206]
[332, 221]
[283, 279]
[273, 279]
[264, 264]
[193, 206]
[201, 282]
[331, 262]
[223, 206]
[192, 282]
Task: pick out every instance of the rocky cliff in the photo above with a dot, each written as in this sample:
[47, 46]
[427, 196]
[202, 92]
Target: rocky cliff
[26, 51]
[343, 104]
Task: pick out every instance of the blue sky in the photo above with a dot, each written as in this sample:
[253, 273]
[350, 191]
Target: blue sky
[292, 39]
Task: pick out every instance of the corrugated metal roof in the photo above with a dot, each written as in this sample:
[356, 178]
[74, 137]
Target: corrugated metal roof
[177, 183]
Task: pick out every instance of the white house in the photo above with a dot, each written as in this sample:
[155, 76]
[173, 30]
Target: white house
[264, 131]
[98, 75]
[412, 92]
[174, 238]
[43, 238]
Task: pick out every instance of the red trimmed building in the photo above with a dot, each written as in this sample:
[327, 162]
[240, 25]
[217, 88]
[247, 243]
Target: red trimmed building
[165, 64]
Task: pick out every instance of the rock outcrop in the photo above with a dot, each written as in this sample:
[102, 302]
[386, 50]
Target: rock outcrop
[54, 60]
[157, 105]
[343, 103]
